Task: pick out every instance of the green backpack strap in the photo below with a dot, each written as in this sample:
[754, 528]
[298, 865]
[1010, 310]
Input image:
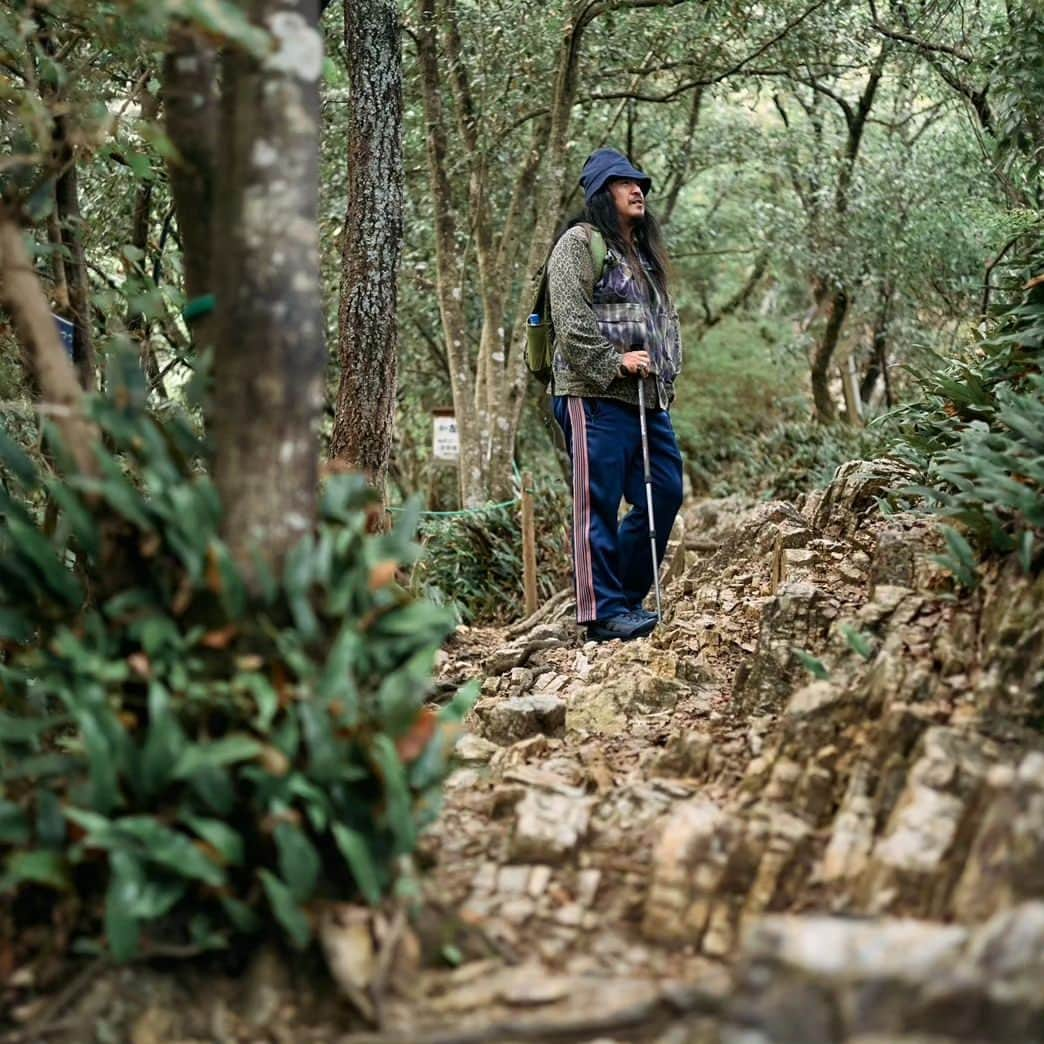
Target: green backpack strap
[598, 252]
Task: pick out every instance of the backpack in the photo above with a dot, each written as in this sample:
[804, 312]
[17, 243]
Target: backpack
[540, 333]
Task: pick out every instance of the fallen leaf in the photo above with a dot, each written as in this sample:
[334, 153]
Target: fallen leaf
[383, 573]
[412, 745]
[220, 638]
[347, 942]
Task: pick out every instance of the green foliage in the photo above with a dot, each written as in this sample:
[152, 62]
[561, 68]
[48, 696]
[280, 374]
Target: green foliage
[858, 641]
[744, 424]
[812, 664]
[189, 753]
[793, 456]
[474, 560]
[977, 440]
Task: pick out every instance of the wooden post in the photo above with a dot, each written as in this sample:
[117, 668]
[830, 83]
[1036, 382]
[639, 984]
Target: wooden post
[529, 578]
[850, 384]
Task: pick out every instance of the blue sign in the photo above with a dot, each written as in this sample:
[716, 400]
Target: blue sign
[67, 333]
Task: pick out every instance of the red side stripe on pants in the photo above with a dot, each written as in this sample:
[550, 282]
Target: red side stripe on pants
[586, 608]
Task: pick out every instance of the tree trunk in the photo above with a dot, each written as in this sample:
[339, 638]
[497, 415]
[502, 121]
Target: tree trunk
[877, 368]
[141, 224]
[270, 355]
[67, 206]
[42, 353]
[67, 194]
[449, 287]
[190, 105]
[61, 283]
[837, 307]
[839, 299]
[362, 432]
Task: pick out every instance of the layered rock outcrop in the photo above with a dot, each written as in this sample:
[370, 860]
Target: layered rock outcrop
[822, 777]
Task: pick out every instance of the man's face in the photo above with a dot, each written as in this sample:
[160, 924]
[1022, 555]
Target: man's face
[628, 198]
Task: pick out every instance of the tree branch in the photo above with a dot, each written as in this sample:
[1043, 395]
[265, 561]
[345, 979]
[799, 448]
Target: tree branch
[922, 45]
[46, 360]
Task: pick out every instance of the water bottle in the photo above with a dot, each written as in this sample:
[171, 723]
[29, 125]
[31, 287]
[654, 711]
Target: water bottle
[534, 319]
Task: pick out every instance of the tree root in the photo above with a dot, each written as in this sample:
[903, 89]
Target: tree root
[520, 628]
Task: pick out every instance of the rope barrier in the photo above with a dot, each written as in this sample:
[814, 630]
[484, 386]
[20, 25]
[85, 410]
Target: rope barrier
[465, 511]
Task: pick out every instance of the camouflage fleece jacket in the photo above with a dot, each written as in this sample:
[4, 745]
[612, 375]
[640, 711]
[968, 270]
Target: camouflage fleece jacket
[594, 324]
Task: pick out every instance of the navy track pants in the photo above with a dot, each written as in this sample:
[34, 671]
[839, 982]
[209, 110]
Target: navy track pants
[612, 564]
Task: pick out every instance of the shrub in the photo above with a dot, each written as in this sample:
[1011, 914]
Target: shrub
[185, 756]
[793, 457]
[473, 560]
[977, 439]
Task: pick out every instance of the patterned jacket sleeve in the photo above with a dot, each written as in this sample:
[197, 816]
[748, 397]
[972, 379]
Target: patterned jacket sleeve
[571, 285]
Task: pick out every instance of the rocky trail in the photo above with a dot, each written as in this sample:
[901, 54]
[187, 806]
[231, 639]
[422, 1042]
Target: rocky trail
[809, 808]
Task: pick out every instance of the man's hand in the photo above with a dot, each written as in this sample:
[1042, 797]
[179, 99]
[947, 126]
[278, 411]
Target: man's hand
[635, 362]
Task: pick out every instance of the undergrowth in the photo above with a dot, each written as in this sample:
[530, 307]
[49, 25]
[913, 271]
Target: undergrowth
[188, 759]
[473, 562]
[976, 439]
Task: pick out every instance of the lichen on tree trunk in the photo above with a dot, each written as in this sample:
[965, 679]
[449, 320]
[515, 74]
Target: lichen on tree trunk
[190, 106]
[270, 353]
[362, 433]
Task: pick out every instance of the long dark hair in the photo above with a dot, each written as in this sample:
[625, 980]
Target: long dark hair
[648, 239]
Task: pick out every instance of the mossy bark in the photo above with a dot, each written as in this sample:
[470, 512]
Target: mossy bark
[270, 353]
[362, 432]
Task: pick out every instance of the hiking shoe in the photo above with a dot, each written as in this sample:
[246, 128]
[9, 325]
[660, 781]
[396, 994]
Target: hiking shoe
[625, 626]
[641, 611]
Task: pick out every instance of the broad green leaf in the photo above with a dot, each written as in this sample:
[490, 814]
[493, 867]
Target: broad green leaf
[105, 789]
[14, 824]
[325, 753]
[858, 641]
[143, 895]
[164, 744]
[50, 819]
[337, 682]
[265, 696]
[298, 861]
[42, 553]
[215, 788]
[26, 729]
[360, 861]
[39, 866]
[243, 917]
[42, 766]
[287, 912]
[80, 521]
[226, 751]
[169, 848]
[17, 462]
[398, 804]
[122, 929]
[1026, 546]
[15, 626]
[224, 838]
[809, 662]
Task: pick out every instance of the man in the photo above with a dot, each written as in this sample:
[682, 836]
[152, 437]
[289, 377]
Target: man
[613, 329]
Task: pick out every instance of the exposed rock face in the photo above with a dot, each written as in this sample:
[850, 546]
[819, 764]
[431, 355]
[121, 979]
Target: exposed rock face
[822, 777]
[817, 980]
[516, 718]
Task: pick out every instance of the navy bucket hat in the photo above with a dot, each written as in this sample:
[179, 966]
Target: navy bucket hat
[604, 164]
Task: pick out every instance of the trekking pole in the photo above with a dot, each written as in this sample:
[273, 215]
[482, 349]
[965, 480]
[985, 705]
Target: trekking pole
[648, 493]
